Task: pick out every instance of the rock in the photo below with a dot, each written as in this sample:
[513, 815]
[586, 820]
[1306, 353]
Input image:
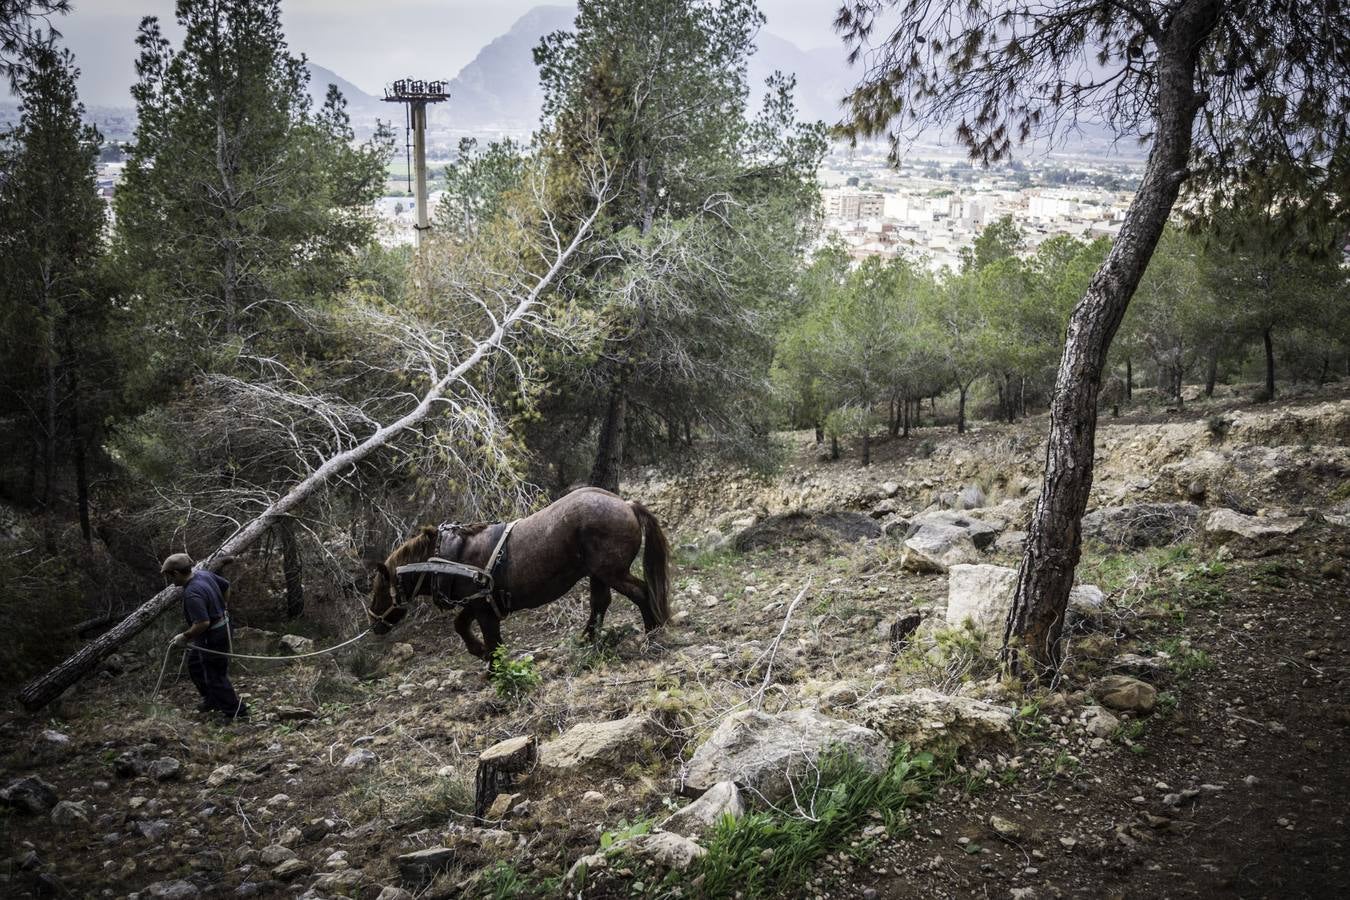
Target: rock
[984, 594]
[982, 533]
[512, 755]
[1225, 524]
[286, 713]
[1139, 525]
[31, 795]
[1006, 828]
[220, 775]
[601, 746]
[501, 807]
[722, 799]
[1125, 693]
[1098, 722]
[296, 645]
[420, 867]
[1014, 542]
[1149, 668]
[54, 739]
[890, 488]
[928, 720]
[393, 892]
[316, 830]
[152, 830]
[663, 849]
[291, 868]
[970, 497]
[166, 768]
[172, 890]
[255, 641]
[761, 752]
[594, 798]
[69, 812]
[360, 758]
[936, 548]
[131, 763]
[275, 855]
[342, 883]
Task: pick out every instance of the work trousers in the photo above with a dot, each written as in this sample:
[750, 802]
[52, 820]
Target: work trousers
[210, 673]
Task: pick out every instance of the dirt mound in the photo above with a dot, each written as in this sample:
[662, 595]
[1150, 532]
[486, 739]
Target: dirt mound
[804, 528]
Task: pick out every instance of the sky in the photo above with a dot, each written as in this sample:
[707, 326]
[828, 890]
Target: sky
[368, 42]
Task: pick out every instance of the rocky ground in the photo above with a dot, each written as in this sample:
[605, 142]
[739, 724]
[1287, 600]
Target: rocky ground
[1193, 746]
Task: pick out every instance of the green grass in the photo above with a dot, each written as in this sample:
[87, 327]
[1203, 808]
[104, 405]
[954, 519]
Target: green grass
[771, 854]
[513, 678]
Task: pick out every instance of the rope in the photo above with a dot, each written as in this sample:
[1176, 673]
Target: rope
[169, 649]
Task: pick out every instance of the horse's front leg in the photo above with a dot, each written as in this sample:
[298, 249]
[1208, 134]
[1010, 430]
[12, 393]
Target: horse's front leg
[464, 620]
[491, 626]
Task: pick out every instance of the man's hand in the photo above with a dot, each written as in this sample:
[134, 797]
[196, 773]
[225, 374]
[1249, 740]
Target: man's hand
[178, 640]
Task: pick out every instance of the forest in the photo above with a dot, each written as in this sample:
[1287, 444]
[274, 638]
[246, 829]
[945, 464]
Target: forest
[222, 359]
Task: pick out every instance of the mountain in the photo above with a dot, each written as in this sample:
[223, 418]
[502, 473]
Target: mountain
[362, 107]
[823, 76]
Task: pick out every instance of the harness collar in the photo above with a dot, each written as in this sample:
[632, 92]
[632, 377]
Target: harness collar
[438, 566]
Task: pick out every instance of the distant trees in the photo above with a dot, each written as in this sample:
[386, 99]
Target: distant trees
[54, 315]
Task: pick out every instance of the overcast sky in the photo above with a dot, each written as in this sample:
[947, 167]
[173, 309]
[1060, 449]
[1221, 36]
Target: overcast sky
[368, 42]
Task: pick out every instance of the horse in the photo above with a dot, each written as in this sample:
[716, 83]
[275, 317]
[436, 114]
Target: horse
[588, 532]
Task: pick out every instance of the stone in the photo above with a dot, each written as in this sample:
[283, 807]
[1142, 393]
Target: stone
[360, 758]
[393, 892]
[1150, 668]
[1125, 693]
[172, 890]
[761, 752]
[890, 488]
[928, 720]
[291, 868]
[601, 746]
[984, 594]
[153, 829]
[54, 739]
[342, 883]
[936, 548]
[220, 775]
[286, 713]
[1225, 524]
[801, 527]
[274, 855]
[1099, 722]
[131, 763]
[970, 497]
[421, 866]
[982, 532]
[69, 812]
[1006, 828]
[1140, 525]
[166, 768]
[501, 807]
[1014, 542]
[594, 798]
[31, 795]
[721, 800]
[296, 645]
[255, 641]
[663, 849]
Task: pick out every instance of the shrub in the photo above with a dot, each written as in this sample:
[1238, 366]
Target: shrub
[513, 678]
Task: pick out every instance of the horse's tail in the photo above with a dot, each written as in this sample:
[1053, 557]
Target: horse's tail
[655, 554]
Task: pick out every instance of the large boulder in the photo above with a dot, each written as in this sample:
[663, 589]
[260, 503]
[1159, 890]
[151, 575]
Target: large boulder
[936, 548]
[984, 594]
[720, 800]
[761, 752]
[1222, 525]
[928, 720]
[982, 532]
[1121, 692]
[601, 747]
[31, 795]
[1141, 524]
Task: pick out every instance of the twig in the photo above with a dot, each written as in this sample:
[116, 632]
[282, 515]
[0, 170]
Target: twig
[773, 647]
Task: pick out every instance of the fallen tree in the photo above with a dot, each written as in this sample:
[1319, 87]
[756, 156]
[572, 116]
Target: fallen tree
[47, 687]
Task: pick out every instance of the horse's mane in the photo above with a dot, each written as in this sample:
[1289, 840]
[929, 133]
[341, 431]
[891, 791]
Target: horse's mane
[417, 548]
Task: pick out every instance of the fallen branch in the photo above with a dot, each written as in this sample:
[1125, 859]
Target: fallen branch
[47, 687]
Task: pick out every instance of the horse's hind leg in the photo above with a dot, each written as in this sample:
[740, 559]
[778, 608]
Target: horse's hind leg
[600, 597]
[635, 589]
[464, 625]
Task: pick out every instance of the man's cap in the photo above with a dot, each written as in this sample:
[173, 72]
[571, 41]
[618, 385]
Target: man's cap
[179, 562]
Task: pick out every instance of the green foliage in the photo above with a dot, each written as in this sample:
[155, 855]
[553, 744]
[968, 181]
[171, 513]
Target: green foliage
[773, 853]
[513, 678]
[624, 832]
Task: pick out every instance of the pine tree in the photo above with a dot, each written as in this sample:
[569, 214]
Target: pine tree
[51, 237]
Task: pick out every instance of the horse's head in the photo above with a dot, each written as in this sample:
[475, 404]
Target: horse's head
[389, 599]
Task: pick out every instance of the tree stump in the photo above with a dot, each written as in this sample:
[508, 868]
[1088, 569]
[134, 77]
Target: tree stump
[498, 767]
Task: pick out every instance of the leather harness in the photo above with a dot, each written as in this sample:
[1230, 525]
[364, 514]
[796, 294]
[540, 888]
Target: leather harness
[441, 573]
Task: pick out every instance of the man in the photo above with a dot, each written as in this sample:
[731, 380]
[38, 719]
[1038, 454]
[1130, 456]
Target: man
[208, 629]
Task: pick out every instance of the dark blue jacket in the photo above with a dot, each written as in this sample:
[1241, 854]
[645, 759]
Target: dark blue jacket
[204, 597]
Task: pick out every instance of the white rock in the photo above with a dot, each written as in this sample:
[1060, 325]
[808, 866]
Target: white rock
[295, 644]
[69, 812]
[928, 720]
[599, 746]
[720, 800]
[220, 775]
[663, 848]
[360, 758]
[1224, 524]
[984, 595]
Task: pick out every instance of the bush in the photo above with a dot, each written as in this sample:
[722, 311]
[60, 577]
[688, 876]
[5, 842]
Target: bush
[513, 678]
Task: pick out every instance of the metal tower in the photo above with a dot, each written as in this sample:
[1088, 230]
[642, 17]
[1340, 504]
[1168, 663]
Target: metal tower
[416, 94]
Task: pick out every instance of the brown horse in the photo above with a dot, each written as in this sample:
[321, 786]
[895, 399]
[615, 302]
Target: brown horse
[588, 532]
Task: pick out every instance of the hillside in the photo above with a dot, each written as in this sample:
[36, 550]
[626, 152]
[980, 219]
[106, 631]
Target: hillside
[1193, 746]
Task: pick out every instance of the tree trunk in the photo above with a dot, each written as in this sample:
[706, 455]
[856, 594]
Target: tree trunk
[961, 409]
[1031, 642]
[1212, 371]
[609, 449]
[77, 445]
[1022, 396]
[49, 438]
[820, 434]
[834, 446]
[867, 436]
[1270, 364]
[45, 688]
[1129, 379]
[292, 569]
[904, 415]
